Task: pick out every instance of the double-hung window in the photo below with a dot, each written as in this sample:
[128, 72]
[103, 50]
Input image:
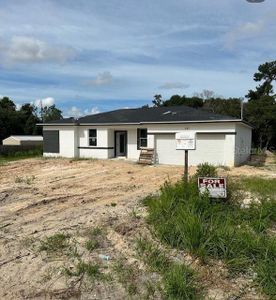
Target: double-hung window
[142, 138]
[92, 137]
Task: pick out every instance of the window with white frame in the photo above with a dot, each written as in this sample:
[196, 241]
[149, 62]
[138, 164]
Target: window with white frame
[142, 137]
[92, 137]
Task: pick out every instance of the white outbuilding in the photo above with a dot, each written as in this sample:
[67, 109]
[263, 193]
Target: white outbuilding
[219, 140]
[23, 140]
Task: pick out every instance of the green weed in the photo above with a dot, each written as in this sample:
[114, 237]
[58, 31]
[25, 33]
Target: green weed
[219, 229]
[55, 244]
[179, 280]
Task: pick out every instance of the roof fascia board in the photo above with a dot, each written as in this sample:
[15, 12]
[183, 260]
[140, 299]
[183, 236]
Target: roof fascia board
[144, 123]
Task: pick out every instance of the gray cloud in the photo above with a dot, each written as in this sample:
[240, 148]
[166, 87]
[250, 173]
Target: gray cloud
[248, 30]
[173, 85]
[25, 49]
[101, 79]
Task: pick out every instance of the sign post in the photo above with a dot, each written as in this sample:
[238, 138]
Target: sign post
[216, 187]
[186, 140]
[186, 166]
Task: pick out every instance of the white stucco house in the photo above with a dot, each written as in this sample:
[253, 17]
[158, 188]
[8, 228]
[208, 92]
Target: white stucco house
[220, 140]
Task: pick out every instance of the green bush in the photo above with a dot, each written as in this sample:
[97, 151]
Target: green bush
[217, 229]
[206, 170]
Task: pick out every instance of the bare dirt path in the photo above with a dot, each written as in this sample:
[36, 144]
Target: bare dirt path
[40, 197]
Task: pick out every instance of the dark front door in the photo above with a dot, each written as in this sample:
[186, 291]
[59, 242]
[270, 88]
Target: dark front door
[120, 143]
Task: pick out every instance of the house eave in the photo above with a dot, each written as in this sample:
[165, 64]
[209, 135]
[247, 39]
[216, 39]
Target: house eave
[145, 123]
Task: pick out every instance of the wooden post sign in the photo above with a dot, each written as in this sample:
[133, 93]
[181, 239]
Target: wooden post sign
[186, 140]
[215, 186]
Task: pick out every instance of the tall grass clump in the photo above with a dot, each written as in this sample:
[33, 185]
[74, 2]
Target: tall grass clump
[179, 280]
[218, 229]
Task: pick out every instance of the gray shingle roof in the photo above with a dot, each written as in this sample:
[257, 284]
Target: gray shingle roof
[145, 115]
[153, 114]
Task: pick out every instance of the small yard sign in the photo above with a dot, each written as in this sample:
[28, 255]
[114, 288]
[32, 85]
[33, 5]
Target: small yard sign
[185, 140]
[215, 186]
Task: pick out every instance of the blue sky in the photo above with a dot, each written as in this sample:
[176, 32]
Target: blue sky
[93, 55]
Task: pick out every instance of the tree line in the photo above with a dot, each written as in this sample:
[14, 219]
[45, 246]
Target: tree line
[259, 110]
[23, 121]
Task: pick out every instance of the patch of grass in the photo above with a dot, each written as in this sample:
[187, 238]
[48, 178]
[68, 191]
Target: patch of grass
[263, 187]
[55, 244]
[152, 255]
[91, 270]
[91, 245]
[126, 276]
[28, 179]
[180, 283]
[218, 229]
[4, 159]
[179, 280]
[94, 235]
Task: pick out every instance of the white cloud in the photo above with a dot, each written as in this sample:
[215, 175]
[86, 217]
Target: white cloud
[77, 112]
[104, 78]
[94, 110]
[174, 85]
[74, 112]
[24, 49]
[49, 101]
[18, 106]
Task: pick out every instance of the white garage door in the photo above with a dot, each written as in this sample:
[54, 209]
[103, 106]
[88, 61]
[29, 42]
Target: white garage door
[209, 148]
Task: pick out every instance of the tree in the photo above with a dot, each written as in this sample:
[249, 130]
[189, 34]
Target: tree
[229, 107]
[29, 119]
[157, 100]
[195, 102]
[205, 94]
[24, 120]
[50, 113]
[261, 106]
[8, 118]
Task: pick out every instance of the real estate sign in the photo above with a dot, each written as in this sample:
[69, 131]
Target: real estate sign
[185, 140]
[215, 186]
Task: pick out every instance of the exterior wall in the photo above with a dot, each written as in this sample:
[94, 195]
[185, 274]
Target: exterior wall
[67, 138]
[100, 151]
[206, 128]
[74, 141]
[242, 143]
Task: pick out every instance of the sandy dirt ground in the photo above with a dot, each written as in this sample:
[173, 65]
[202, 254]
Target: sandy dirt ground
[42, 197]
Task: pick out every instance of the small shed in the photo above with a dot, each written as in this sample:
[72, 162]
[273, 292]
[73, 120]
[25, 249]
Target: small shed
[23, 140]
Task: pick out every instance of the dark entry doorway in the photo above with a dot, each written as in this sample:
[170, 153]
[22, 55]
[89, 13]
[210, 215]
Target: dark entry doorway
[120, 143]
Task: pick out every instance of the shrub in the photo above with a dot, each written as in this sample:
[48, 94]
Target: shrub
[206, 170]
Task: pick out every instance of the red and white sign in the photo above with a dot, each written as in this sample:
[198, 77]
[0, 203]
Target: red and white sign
[215, 186]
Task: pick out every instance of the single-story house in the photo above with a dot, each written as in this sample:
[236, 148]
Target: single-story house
[23, 140]
[220, 140]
